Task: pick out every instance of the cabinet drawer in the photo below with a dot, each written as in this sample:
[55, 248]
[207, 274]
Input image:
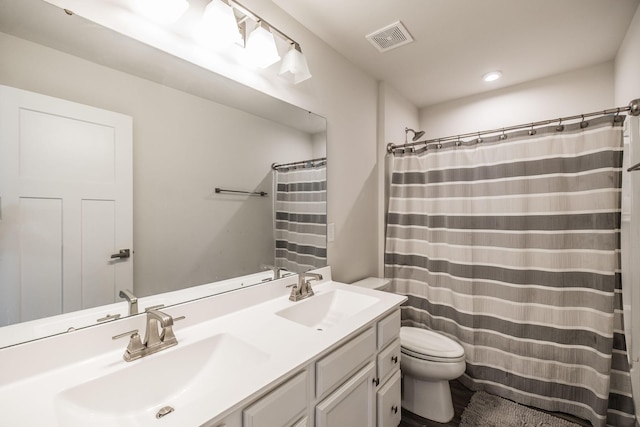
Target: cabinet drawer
[388, 360]
[388, 329]
[335, 368]
[388, 401]
[280, 407]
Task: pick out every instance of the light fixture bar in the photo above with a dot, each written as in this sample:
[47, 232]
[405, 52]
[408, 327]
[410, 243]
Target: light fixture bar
[243, 9]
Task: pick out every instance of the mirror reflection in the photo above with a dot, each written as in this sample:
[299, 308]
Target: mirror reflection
[185, 144]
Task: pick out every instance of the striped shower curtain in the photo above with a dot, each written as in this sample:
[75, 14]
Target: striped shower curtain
[512, 248]
[300, 217]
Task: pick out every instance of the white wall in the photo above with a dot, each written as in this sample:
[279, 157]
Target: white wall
[627, 64]
[581, 91]
[184, 147]
[394, 114]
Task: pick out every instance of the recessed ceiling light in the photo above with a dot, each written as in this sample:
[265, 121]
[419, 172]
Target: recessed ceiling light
[492, 76]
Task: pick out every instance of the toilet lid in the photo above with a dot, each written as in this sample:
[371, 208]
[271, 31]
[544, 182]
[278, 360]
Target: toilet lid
[429, 343]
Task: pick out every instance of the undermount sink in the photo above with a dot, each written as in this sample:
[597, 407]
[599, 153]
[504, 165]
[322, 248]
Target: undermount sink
[134, 394]
[323, 311]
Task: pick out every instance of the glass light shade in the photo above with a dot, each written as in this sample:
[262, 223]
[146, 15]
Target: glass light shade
[261, 48]
[218, 27]
[162, 11]
[294, 66]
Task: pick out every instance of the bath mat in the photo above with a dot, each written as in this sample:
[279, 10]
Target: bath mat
[487, 410]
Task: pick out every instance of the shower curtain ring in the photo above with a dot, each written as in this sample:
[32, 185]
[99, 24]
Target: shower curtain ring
[617, 118]
[503, 136]
[479, 140]
[458, 142]
[532, 131]
[583, 124]
[560, 126]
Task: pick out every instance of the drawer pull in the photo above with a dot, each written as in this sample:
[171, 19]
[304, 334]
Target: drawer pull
[394, 359]
[394, 409]
[376, 381]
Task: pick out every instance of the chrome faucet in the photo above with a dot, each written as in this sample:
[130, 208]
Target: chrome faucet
[158, 335]
[277, 271]
[303, 289]
[131, 299]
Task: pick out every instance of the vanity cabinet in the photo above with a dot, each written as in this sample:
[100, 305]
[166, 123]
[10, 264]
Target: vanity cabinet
[356, 384]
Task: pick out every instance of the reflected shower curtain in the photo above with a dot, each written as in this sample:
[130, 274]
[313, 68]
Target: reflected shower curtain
[513, 249]
[300, 217]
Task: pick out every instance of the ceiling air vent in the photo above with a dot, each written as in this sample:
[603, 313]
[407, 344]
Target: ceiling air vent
[390, 37]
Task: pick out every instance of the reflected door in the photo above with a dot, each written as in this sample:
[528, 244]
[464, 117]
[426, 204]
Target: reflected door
[65, 205]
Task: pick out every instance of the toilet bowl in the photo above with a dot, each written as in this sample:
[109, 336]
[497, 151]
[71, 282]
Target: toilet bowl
[428, 362]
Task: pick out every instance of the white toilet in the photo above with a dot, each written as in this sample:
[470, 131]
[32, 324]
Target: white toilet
[428, 362]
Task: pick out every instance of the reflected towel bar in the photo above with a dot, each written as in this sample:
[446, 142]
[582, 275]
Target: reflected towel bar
[633, 168]
[238, 192]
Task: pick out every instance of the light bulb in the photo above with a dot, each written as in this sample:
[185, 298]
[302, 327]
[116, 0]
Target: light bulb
[492, 76]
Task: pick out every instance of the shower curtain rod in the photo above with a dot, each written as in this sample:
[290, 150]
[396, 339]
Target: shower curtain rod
[633, 109]
[275, 166]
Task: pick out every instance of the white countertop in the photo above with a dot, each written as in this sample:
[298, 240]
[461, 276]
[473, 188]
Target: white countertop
[34, 374]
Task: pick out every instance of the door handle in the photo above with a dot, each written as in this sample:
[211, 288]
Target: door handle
[123, 253]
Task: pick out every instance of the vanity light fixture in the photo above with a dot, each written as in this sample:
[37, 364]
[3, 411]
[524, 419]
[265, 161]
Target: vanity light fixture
[227, 22]
[261, 46]
[294, 65]
[162, 11]
[492, 76]
[218, 26]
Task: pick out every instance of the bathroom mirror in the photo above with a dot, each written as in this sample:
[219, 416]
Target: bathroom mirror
[193, 131]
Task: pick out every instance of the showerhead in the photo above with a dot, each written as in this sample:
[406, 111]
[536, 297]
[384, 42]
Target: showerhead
[416, 134]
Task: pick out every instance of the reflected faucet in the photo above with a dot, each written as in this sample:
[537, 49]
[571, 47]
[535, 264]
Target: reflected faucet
[277, 271]
[303, 289]
[131, 299]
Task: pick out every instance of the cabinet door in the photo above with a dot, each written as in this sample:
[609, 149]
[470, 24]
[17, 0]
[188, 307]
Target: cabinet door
[388, 402]
[352, 404]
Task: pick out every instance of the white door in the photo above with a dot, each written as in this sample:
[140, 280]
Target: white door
[65, 205]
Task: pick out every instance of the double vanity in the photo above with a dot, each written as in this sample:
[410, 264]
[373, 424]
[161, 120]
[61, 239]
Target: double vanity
[246, 358]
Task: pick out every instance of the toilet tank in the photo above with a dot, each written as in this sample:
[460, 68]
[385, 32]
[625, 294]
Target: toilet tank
[376, 283]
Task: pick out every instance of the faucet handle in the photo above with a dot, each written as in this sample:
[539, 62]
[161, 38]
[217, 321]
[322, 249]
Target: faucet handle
[125, 334]
[135, 348]
[153, 307]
